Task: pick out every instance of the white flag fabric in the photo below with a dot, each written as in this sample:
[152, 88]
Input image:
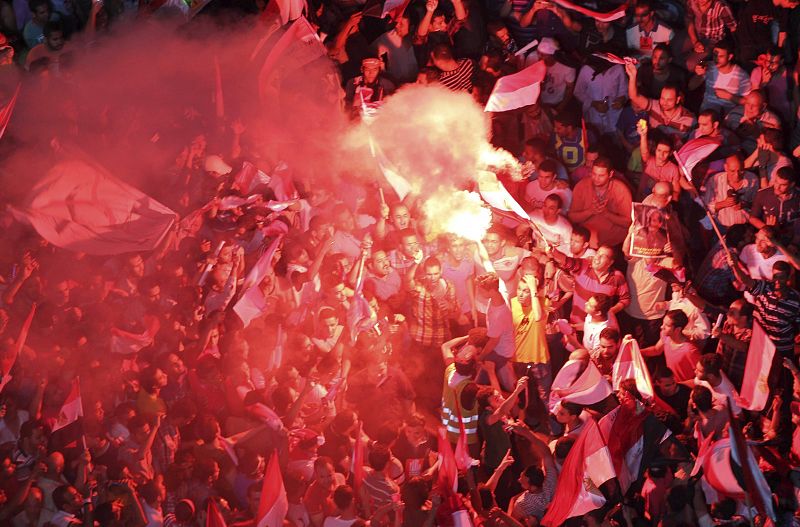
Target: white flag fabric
[693, 152]
[81, 207]
[630, 365]
[755, 386]
[495, 194]
[72, 409]
[274, 505]
[517, 90]
[579, 382]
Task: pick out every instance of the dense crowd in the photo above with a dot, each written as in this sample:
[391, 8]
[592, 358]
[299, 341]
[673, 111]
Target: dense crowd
[324, 325]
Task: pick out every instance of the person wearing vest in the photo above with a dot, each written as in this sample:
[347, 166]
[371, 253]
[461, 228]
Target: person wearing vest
[459, 405]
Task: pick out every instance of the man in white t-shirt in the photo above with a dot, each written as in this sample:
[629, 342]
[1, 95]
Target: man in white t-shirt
[559, 81]
[759, 257]
[597, 319]
[545, 184]
[557, 229]
[647, 31]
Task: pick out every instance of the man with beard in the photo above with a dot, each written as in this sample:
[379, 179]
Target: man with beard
[667, 113]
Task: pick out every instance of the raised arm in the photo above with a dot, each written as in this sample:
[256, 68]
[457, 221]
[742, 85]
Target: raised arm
[638, 100]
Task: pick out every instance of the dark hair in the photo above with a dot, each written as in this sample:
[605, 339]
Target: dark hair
[701, 397]
[61, 496]
[610, 334]
[604, 302]
[663, 372]
[431, 262]
[661, 46]
[555, 198]
[442, 51]
[563, 446]
[535, 475]
[708, 112]
[549, 165]
[572, 408]
[51, 27]
[603, 162]
[379, 457]
[582, 231]
[678, 317]
[786, 174]
[712, 363]
[727, 45]
[343, 496]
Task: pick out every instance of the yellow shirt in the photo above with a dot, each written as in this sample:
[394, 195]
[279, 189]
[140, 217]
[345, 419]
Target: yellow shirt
[530, 336]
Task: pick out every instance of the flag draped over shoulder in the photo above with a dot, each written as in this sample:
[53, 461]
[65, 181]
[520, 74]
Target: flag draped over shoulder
[755, 386]
[623, 432]
[274, 505]
[588, 465]
[81, 207]
[518, 89]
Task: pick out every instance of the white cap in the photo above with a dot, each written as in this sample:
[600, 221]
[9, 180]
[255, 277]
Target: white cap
[548, 46]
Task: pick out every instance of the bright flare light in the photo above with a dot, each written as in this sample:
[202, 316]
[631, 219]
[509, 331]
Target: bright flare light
[500, 161]
[458, 212]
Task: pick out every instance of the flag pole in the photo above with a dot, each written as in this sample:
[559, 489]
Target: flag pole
[705, 208]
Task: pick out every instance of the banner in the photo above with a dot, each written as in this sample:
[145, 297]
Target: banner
[650, 236]
[518, 89]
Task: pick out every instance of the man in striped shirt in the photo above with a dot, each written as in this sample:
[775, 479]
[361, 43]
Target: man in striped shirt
[456, 74]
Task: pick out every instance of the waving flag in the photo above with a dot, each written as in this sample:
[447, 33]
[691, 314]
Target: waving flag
[400, 184]
[495, 194]
[623, 431]
[249, 178]
[755, 385]
[291, 9]
[394, 8]
[754, 484]
[7, 110]
[579, 382]
[693, 153]
[253, 303]
[518, 89]
[126, 342]
[588, 465]
[81, 207]
[213, 516]
[274, 505]
[297, 47]
[72, 409]
[9, 357]
[630, 365]
[608, 16]
[615, 59]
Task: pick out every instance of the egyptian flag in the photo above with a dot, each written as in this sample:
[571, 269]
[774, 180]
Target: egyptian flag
[587, 467]
[754, 484]
[517, 90]
[68, 427]
[755, 386]
[608, 16]
[394, 8]
[253, 303]
[578, 382]
[274, 505]
[7, 110]
[623, 431]
[298, 46]
[614, 59]
[630, 365]
[724, 475]
[694, 152]
[127, 343]
[250, 178]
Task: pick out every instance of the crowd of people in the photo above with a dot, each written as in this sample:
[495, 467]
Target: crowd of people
[327, 326]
